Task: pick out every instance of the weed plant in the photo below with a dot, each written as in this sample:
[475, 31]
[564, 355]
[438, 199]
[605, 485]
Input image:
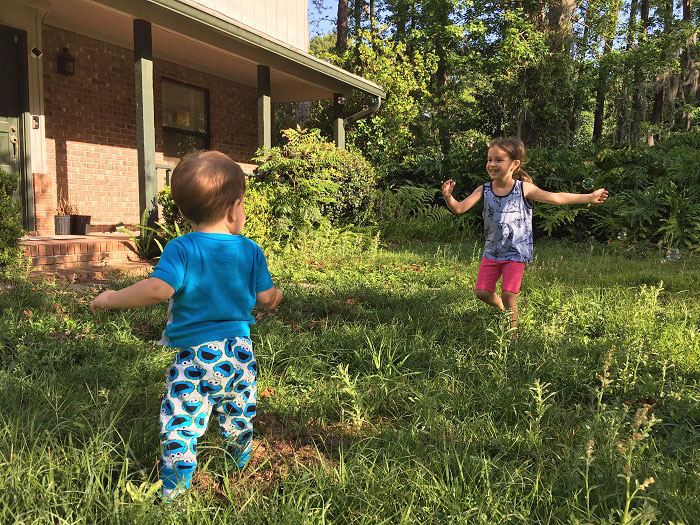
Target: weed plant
[391, 396]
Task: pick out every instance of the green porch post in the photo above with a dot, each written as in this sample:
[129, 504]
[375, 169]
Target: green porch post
[145, 127]
[264, 108]
[338, 123]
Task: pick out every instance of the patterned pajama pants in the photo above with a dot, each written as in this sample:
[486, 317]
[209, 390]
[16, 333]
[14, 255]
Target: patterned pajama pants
[218, 376]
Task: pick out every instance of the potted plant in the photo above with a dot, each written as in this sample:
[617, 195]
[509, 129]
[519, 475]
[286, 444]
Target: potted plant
[80, 224]
[62, 219]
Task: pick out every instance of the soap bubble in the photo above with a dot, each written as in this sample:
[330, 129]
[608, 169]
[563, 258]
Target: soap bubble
[673, 254]
[622, 236]
[587, 183]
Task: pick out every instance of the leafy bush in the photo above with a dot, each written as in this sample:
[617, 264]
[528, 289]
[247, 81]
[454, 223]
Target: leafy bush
[654, 191]
[258, 226]
[315, 180]
[10, 220]
[413, 212]
[147, 246]
[301, 185]
[172, 217]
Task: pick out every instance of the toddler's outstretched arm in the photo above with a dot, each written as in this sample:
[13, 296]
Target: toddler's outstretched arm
[534, 193]
[456, 206]
[143, 293]
[269, 298]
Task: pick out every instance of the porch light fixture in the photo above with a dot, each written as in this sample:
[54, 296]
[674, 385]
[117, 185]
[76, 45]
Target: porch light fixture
[66, 63]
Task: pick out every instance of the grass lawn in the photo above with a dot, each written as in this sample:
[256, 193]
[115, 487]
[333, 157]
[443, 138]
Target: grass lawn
[388, 394]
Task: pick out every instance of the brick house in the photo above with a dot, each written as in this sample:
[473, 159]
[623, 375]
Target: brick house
[99, 97]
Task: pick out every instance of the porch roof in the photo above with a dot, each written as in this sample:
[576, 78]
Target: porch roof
[190, 34]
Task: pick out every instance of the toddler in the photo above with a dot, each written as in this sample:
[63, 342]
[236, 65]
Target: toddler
[214, 277]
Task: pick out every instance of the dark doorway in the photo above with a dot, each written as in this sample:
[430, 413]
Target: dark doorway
[14, 110]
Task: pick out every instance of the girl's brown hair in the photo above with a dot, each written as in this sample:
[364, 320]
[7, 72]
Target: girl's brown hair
[515, 149]
[205, 184]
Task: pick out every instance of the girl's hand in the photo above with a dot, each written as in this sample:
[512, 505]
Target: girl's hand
[447, 188]
[598, 196]
[101, 302]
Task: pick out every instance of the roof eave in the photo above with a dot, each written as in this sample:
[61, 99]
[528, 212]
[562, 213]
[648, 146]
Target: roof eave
[276, 53]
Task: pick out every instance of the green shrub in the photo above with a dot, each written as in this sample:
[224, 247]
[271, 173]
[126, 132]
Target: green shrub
[171, 213]
[315, 180]
[654, 191]
[301, 185]
[10, 220]
[413, 212]
[259, 222]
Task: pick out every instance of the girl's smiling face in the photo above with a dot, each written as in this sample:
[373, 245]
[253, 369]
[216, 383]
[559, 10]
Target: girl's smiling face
[499, 165]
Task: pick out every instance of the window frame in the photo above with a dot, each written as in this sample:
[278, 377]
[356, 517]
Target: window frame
[207, 111]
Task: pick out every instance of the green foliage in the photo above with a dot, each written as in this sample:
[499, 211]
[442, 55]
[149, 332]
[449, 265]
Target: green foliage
[314, 181]
[654, 192]
[301, 185]
[172, 217]
[389, 135]
[10, 220]
[146, 244]
[413, 212]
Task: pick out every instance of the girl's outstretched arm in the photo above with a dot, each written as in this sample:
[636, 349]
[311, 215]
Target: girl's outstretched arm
[534, 193]
[456, 206]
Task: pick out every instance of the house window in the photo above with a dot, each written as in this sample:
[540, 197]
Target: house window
[185, 118]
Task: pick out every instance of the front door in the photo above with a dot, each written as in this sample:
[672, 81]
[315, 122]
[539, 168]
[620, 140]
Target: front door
[13, 106]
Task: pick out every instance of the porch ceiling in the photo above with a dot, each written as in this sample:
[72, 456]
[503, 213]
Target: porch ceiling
[210, 43]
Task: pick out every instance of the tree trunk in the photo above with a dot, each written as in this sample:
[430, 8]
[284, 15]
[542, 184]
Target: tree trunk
[441, 18]
[412, 27]
[302, 113]
[690, 77]
[358, 7]
[401, 19]
[657, 112]
[639, 103]
[601, 91]
[622, 134]
[578, 90]
[372, 12]
[560, 23]
[341, 42]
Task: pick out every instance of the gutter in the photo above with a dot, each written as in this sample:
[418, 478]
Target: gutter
[364, 113]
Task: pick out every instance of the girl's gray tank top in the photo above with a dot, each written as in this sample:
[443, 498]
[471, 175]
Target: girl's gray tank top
[507, 225]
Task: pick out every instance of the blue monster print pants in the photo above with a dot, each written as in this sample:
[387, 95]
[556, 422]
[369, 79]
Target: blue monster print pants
[218, 376]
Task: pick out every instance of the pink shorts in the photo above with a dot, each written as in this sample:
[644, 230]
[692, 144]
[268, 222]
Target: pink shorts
[490, 271]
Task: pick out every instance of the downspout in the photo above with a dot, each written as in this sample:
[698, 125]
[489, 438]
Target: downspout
[364, 113]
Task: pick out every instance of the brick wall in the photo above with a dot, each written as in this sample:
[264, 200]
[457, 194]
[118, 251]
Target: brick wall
[90, 128]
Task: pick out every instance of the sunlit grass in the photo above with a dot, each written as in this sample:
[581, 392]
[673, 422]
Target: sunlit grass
[394, 396]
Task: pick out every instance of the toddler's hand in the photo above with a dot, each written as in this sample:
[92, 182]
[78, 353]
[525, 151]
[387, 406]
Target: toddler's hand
[599, 196]
[101, 301]
[447, 188]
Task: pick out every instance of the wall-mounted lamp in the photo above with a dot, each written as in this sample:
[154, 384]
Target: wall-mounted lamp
[66, 63]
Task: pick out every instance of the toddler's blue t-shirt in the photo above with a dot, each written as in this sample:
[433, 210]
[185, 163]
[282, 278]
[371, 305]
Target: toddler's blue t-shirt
[216, 277]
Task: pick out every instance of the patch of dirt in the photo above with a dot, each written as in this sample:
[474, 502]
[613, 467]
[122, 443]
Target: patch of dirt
[277, 451]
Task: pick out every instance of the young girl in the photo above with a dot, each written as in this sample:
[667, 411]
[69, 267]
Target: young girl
[507, 217]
